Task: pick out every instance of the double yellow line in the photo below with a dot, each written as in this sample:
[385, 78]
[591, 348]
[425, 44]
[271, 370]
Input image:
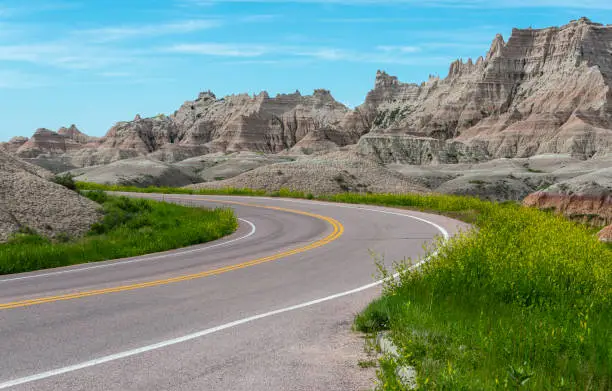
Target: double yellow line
[338, 230]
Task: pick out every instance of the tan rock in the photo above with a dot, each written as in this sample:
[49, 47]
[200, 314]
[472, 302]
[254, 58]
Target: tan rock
[605, 235]
[596, 210]
[13, 144]
[29, 200]
[48, 142]
[75, 134]
[543, 91]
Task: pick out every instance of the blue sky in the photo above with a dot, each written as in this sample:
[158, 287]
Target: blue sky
[96, 62]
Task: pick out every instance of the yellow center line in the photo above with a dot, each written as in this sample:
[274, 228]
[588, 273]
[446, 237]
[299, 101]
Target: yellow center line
[338, 230]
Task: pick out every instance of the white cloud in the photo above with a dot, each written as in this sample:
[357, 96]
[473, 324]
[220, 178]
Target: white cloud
[222, 50]
[114, 33]
[67, 55]
[258, 18]
[281, 54]
[400, 49]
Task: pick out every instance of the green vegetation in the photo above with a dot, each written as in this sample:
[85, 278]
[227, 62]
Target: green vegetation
[367, 363]
[65, 180]
[525, 302]
[168, 190]
[130, 227]
[462, 208]
[535, 171]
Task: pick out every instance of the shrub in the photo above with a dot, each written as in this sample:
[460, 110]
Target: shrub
[66, 180]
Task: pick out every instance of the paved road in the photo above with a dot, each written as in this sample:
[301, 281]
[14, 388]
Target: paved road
[242, 313]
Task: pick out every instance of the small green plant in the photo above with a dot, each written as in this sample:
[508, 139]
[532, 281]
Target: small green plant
[535, 171]
[66, 180]
[371, 363]
[62, 237]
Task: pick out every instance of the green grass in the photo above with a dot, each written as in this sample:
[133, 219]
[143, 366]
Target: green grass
[130, 227]
[367, 363]
[168, 190]
[524, 302]
[463, 208]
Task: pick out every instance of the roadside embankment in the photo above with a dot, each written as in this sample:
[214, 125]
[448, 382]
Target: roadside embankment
[129, 227]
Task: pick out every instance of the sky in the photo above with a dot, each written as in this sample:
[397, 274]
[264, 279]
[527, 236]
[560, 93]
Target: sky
[96, 62]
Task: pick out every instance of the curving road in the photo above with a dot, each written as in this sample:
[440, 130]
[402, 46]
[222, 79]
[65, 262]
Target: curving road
[267, 308]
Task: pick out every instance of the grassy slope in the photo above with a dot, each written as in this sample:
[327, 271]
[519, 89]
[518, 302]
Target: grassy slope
[130, 227]
[523, 303]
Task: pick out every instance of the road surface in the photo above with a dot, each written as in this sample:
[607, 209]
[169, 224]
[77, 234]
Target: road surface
[267, 308]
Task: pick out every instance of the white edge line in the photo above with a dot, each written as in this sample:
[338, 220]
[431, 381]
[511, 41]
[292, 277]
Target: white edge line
[147, 258]
[174, 341]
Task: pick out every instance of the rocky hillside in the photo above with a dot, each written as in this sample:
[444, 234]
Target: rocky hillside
[28, 200]
[324, 174]
[543, 91]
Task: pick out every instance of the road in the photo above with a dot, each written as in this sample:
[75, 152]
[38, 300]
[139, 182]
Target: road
[267, 308]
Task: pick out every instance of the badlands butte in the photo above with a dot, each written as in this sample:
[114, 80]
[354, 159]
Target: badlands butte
[531, 118]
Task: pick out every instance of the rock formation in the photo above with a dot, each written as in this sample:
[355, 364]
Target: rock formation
[142, 135]
[28, 200]
[543, 91]
[605, 235]
[48, 142]
[75, 134]
[586, 197]
[13, 144]
[235, 123]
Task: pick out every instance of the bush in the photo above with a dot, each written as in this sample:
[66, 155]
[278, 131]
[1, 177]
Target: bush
[66, 180]
[96, 195]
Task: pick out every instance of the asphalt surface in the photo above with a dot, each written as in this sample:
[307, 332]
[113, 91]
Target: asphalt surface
[191, 319]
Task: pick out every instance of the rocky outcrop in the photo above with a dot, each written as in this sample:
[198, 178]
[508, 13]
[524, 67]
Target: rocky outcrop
[48, 142]
[543, 91]
[585, 197]
[605, 235]
[28, 200]
[13, 144]
[235, 123]
[260, 123]
[588, 209]
[75, 134]
[142, 135]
